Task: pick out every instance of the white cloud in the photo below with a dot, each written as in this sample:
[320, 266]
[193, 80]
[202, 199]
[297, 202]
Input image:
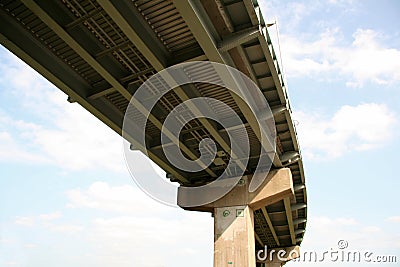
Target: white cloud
[78, 141]
[297, 12]
[134, 228]
[67, 135]
[136, 239]
[337, 221]
[371, 229]
[11, 151]
[50, 216]
[24, 221]
[361, 127]
[395, 219]
[30, 245]
[315, 46]
[365, 59]
[124, 199]
[121, 226]
[47, 221]
[11, 263]
[65, 228]
[289, 14]
[41, 219]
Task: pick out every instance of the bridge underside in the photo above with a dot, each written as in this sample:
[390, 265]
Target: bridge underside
[100, 52]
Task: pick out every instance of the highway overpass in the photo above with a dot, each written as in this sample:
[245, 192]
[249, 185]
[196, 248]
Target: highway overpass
[99, 53]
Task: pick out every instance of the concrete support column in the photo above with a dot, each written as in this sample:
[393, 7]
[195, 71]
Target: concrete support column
[234, 243]
[234, 237]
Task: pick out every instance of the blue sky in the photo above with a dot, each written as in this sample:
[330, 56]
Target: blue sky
[66, 197]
